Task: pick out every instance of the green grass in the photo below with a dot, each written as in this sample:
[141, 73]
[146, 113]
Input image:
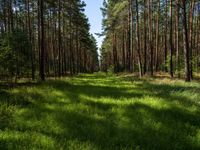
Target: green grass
[99, 112]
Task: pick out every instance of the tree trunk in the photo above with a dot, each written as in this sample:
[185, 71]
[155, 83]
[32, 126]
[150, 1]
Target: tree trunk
[192, 4]
[150, 36]
[157, 35]
[42, 37]
[186, 42]
[171, 40]
[59, 38]
[177, 39]
[138, 40]
[145, 39]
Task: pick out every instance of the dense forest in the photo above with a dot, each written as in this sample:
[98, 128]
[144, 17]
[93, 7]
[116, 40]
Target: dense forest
[52, 38]
[149, 36]
[61, 89]
[45, 38]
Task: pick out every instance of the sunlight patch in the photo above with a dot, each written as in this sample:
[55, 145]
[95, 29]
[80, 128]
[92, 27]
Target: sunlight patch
[28, 140]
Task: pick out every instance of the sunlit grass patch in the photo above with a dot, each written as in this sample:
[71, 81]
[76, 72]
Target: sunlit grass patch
[101, 112]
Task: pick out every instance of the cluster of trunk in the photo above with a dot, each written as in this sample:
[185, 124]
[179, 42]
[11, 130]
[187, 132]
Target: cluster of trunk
[152, 36]
[58, 33]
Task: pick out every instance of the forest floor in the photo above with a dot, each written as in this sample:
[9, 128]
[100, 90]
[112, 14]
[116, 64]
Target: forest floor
[100, 112]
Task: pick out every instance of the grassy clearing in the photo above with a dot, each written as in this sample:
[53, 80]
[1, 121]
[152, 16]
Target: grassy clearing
[99, 112]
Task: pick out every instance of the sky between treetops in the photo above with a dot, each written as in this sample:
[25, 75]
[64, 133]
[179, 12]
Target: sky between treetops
[94, 14]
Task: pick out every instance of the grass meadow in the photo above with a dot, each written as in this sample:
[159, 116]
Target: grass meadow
[101, 112]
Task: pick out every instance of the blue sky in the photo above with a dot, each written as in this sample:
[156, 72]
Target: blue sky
[93, 12]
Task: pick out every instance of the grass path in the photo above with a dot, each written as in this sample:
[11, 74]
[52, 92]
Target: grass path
[97, 112]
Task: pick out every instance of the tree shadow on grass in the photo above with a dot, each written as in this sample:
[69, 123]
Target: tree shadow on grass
[102, 126]
[21, 99]
[167, 92]
[144, 127]
[172, 93]
[75, 90]
[171, 128]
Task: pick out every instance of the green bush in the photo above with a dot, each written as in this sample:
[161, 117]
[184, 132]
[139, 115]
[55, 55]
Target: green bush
[14, 53]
